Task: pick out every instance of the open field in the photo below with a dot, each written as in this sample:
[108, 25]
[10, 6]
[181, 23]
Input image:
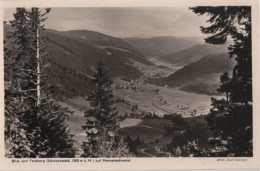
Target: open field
[147, 129]
[162, 101]
[151, 131]
[148, 134]
[157, 123]
[166, 100]
[130, 122]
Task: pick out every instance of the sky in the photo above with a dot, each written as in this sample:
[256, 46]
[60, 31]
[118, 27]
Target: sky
[126, 21]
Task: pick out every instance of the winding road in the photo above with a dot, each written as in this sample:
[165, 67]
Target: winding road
[143, 151]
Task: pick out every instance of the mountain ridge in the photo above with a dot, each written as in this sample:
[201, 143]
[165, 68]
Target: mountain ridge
[201, 76]
[193, 53]
[162, 45]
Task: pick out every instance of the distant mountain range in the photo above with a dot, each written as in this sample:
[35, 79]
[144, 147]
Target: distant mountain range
[193, 54]
[164, 45]
[74, 55]
[201, 76]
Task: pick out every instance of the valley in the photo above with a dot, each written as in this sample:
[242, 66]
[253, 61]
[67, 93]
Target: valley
[161, 100]
[123, 82]
[155, 81]
[135, 122]
[157, 91]
[158, 70]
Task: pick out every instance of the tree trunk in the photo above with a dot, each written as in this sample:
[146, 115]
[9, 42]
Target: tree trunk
[38, 61]
[227, 96]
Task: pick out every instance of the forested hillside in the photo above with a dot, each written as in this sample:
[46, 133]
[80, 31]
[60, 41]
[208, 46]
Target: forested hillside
[193, 54]
[100, 40]
[201, 76]
[73, 58]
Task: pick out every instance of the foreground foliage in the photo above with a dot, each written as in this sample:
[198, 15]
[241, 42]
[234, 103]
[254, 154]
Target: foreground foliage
[35, 125]
[230, 119]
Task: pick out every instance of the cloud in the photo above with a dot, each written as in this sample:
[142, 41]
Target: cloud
[127, 21]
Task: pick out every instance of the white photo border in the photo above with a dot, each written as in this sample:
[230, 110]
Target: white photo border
[142, 163]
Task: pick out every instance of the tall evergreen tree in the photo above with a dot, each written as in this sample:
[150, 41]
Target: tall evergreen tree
[231, 123]
[225, 86]
[234, 21]
[43, 121]
[102, 127]
[16, 141]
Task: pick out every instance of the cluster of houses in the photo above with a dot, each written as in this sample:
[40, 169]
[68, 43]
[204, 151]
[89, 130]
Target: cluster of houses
[193, 111]
[132, 85]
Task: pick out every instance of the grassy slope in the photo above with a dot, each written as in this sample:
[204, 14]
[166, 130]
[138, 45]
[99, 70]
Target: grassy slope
[148, 129]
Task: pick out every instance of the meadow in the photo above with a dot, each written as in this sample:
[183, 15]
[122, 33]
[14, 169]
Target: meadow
[166, 100]
[150, 131]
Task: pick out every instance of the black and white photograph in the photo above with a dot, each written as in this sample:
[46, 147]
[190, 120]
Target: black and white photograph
[128, 82]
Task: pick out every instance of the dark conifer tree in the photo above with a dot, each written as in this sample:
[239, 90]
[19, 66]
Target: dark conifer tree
[225, 86]
[43, 120]
[102, 127]
[16, 141]
[231, 123]
[235, 22]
